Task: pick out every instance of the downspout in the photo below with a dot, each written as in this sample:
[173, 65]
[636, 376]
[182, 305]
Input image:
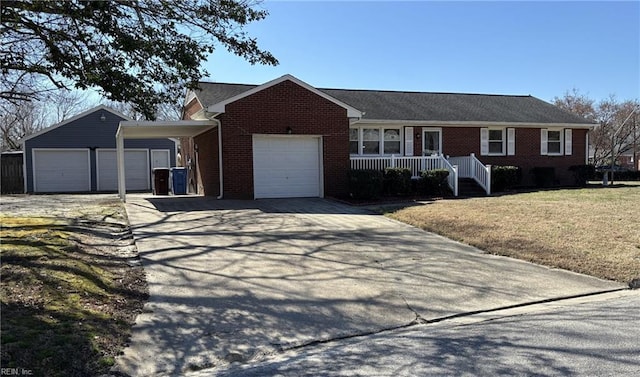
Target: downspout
[219, 157]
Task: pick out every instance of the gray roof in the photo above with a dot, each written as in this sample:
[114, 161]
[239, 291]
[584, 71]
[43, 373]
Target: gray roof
[424, 106]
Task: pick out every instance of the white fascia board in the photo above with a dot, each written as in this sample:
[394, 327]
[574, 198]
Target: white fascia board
[163, 129]
[219, 107]
[434, 123]
[74, 118]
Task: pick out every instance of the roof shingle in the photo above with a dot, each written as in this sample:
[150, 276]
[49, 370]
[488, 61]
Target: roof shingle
[424, 106]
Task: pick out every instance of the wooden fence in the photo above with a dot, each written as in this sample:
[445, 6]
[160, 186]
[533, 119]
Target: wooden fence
[12, 175]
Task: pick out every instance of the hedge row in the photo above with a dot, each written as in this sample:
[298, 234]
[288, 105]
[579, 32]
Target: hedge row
[367, 184]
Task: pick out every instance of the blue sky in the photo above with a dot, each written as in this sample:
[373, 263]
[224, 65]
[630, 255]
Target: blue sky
[537, 48]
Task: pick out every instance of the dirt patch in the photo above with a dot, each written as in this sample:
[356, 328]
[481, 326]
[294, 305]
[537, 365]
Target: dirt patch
[72, 284]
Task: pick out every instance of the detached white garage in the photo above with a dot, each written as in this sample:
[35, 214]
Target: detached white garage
[61, 170]
[286, 166]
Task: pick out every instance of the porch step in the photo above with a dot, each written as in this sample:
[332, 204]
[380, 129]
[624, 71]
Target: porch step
[467, 187]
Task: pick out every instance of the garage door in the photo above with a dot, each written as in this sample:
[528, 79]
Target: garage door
[136, 169]
[286, 167]
[61, 170]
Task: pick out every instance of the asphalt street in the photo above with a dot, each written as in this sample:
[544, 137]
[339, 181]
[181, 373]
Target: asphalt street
[593, 336]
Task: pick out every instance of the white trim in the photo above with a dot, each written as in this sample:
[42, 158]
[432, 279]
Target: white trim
[33, 163]
[432, 129]
[568, 142]
[544, 139]
[479, 124]
[503, 140]
[381, 140]
[148, 162]
[163, 129]
[408, 141]
[191, 94]
[561, 133]
[511, 141]
[220, 106]
[586, 149]
[74, 118]
[484, 141]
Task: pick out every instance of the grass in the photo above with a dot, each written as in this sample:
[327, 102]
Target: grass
[592, 230]
[68, 302]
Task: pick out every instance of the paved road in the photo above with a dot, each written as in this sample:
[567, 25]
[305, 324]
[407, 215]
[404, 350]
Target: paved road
[236, 281]
[599, 336]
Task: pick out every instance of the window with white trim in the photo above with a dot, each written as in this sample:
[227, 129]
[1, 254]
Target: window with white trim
[370, 141]
[493, 141]
[376, 141]
[552, 142]
[391, 141]
[354, 143]
[496, 142]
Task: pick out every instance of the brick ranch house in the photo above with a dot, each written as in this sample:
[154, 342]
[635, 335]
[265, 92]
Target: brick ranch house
[286, 138]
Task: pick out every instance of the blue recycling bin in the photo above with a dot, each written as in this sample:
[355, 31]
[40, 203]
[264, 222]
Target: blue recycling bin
[179, 181]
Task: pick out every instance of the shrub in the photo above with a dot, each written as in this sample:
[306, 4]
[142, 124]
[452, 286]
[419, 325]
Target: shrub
[504, 177]
[397, 181]
[365, 183]
[544, 176]
[582, 173]
[434, 182]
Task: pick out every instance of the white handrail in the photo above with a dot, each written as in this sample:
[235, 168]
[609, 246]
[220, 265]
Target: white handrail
[416, 164]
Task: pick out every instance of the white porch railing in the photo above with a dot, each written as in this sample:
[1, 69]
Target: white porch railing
[471, 167]
[415, 164]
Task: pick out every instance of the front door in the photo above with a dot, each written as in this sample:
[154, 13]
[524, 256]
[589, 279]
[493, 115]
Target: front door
[431, 141]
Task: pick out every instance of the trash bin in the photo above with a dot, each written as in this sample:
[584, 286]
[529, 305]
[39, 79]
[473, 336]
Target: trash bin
[179, 181]
[160, 181]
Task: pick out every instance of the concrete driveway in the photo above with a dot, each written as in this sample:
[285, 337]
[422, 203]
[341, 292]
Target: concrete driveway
[234, 281]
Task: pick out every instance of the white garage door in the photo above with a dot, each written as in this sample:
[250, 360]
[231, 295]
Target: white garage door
[136, 169]
[61, 170]
[286, 167]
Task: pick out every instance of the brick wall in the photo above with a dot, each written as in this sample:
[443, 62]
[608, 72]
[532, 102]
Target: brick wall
[461, 141]
[271, 111]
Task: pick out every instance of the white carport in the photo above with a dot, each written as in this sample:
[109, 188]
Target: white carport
[159, 129]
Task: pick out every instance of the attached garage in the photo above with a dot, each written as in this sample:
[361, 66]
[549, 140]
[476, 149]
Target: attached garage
[137, 170]
[286, 166]
[61, 170]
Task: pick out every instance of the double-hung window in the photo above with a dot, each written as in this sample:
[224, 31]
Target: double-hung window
[497, 141]
[555, 142]
[375, 141]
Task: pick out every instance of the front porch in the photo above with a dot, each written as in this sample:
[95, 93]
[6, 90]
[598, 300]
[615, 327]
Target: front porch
[458, 167]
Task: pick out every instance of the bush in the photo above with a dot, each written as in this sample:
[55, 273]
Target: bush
[397, 181]
[365, 184]
[582, 173]
[434, 182]
[544, 176]
[505, 177]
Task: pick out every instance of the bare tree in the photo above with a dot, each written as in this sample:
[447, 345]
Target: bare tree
[618, 126]
[164, 111]
[19, 119]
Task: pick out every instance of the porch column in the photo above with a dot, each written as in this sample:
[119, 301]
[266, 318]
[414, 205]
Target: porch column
[120, 162]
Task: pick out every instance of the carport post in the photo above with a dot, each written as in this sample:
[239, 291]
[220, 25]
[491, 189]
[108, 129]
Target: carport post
[120, 161]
